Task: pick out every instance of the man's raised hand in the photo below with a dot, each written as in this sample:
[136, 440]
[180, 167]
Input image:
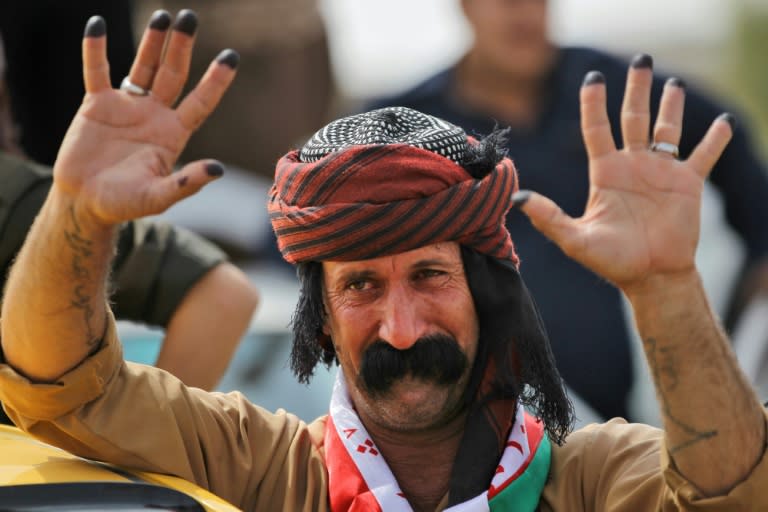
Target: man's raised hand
[117, 158]
[642, 216]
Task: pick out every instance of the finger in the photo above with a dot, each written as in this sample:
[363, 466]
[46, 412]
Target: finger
[173, 71]
[595, 126]
[636, 110]
[184, 183]
[95, 64]
[708, 151]
[669, 123]
[201, 101]
[150, 50]
[549, 219]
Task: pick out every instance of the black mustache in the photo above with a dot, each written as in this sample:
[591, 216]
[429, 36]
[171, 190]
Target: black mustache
[436, 357]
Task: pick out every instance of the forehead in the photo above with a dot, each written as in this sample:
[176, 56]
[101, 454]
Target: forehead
[443, 253]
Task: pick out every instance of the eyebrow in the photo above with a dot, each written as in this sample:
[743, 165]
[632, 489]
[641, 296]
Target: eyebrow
[354, 275]
[433, 262]
[367, 274]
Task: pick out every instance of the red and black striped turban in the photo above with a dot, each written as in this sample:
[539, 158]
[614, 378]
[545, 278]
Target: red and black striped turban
[386, 182]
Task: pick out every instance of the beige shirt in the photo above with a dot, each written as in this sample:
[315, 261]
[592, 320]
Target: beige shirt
[142, 417]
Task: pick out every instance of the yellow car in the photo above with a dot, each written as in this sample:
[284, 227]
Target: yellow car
[35, 476]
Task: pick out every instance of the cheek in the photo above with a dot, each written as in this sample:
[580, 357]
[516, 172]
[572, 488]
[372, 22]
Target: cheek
[349, 329]
[456, 313]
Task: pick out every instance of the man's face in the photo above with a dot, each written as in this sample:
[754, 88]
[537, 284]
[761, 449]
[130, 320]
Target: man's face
[511, 35]
[405, 330]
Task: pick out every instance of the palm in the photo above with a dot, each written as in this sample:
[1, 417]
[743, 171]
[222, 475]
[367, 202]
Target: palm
[117, 152]
[642, 216]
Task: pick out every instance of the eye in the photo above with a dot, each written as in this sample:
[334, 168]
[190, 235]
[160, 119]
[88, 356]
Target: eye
[428, 273]
[359, 285]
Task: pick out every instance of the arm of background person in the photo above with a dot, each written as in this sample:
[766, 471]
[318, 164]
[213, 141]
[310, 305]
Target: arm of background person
[207, 326]
[640, 232]
[167, 276]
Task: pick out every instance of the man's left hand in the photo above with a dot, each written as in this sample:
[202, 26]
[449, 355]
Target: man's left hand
[642, 217]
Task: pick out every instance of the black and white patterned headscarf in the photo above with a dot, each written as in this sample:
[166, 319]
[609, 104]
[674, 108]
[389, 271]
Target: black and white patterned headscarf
[390, 125]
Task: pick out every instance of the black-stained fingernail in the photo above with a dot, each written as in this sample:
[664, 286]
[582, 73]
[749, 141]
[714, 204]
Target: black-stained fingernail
[229, 57]
[520, 197]
[96, 27]
[593, 77]
[676, 82]
[727, 116]
[642, 61]
[160, 20]
[183, 181]
[214, 169]
[186, 21]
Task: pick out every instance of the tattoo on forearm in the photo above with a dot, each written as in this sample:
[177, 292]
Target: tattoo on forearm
[81, 253]
[663, 366]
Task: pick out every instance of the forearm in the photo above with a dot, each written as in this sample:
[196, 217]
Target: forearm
[714, 424]
[54, 307]
[207, 327]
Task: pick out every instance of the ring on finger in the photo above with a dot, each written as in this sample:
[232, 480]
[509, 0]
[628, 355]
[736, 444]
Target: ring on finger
[131, 88]
[666, 148]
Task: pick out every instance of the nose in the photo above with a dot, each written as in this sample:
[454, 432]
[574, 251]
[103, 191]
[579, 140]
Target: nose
[402, 321]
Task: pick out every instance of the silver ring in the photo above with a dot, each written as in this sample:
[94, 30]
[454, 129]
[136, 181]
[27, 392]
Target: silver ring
[131, 88]
[665, 147]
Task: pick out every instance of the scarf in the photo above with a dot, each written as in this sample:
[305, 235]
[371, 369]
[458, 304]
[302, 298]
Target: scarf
[387, 182]
[360, 480]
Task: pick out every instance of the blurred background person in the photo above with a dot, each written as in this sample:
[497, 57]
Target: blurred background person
[514, 75]
[284, 89]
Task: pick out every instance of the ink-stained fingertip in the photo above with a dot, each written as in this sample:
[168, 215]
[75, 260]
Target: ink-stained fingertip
[520, 197]
[229, 58]
[186, 21]
[214, 169]
[642, 61]
[160, 20]
[593, 77]
[676, 82]
[95, 27]
[729, 118]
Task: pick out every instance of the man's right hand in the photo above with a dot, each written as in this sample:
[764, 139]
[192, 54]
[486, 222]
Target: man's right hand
[116, 160]
[114, 165]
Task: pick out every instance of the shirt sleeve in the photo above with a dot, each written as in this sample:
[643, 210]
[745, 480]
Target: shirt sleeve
[621, 467]
[144, 418]
[156, 265]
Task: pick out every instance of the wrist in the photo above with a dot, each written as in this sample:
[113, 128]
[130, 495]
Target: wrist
[63, 206]
[653, 287]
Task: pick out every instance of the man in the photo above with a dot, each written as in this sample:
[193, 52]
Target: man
[410, 278]
[163, 275]
[513, 74]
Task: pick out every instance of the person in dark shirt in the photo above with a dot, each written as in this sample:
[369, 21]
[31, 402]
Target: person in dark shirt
[514, 75]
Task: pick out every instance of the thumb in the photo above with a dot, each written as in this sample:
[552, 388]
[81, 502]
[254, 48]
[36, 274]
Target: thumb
[548, 218]
[185, 182]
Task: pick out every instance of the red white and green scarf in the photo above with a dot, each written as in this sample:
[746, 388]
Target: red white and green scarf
[360, 480]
